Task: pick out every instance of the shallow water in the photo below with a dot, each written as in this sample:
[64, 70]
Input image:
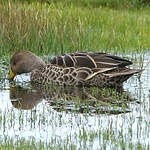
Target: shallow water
[84, 117]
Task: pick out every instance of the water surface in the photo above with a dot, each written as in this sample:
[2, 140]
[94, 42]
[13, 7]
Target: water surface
[83, 117]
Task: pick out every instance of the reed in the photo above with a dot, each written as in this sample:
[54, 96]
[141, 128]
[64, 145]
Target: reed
[65, 27]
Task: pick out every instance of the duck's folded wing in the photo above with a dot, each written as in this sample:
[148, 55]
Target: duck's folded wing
[90, 60]
[85, 73]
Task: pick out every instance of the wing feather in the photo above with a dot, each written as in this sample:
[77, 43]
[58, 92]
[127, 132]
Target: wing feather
[90, 60]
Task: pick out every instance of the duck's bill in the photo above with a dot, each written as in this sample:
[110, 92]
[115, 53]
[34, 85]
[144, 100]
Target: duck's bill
[11, 75]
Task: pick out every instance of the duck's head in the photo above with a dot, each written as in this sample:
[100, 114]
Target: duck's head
[24, 62]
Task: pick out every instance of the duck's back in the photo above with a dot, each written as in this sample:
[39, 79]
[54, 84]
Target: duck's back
[86, 69]
[90, 60]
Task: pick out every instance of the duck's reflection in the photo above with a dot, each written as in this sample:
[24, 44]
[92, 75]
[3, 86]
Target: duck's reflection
[24, 98]
[73, 99]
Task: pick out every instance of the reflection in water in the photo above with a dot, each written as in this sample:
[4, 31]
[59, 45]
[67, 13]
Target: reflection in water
[24, 98]
[74, 99]
[44, 122]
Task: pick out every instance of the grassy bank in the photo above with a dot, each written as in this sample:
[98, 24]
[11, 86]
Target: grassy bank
[68, 26]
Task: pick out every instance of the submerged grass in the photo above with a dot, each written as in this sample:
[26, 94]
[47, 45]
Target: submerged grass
[43, 120]
[64, 26]
[110, 137]
[69, 144]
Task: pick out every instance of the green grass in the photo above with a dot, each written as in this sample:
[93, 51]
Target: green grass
[67, 26]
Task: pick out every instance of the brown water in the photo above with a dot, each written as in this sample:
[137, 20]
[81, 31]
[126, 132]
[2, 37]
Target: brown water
[86, 117]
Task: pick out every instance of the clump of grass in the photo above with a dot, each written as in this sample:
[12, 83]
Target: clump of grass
[117, 4]
[60, 28]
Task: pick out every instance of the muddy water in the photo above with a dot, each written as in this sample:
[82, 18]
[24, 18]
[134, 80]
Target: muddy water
[86, 117]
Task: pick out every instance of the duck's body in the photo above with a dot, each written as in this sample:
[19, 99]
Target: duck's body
[76, 69]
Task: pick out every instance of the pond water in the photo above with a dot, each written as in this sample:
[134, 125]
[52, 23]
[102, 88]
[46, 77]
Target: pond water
[84, 118]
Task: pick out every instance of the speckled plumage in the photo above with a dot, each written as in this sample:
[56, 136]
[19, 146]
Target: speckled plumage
[85, 69]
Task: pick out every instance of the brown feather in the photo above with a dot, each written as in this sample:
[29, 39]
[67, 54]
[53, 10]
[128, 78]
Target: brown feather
[84, 68]
[90, 60]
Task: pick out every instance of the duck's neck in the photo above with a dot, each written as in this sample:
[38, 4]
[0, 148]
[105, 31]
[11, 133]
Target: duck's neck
[38, 63]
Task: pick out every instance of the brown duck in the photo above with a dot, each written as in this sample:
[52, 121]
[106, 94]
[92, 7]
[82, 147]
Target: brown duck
[76, 69]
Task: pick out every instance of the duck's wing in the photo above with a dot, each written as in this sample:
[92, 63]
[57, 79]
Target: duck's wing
[90, 60]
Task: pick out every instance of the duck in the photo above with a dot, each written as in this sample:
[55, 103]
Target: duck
[89, 69]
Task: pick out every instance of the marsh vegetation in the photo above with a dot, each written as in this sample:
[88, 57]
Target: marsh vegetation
[33, 117]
